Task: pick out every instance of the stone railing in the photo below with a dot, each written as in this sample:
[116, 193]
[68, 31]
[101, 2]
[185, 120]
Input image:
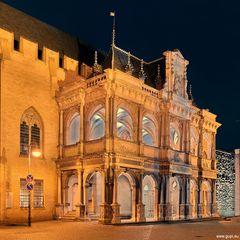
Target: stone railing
[96, 80]
[150, 90]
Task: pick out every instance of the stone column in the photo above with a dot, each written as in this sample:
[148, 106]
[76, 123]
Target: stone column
[80, 206]
[162, 205]
[140, 205]
[105, 208]
[81, 134]
[188, 207]
[140, 116]
[59, 205]
[168, 206]
[199, 208]
[183, 199]
[214, 211]
[107, 126]
[61, 134]
[115, 205]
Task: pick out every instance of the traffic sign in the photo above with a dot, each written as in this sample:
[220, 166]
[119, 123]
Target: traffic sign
[29, 178]
[29, 186]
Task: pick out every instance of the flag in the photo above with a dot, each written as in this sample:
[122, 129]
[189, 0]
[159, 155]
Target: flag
[112, 14]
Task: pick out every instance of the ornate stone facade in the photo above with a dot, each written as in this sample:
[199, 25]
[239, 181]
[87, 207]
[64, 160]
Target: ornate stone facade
[126, 144]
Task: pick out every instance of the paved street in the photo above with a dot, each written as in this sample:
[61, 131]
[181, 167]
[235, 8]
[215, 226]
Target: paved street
[56, 230]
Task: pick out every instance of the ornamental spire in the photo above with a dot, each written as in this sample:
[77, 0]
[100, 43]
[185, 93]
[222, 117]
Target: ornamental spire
[142, 74]
[129, 67]
[96, 66]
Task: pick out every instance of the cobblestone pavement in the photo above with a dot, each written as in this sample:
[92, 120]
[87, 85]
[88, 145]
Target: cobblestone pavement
[57, 230]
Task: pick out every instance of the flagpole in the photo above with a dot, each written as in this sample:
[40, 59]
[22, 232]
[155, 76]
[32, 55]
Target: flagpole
[112, 14]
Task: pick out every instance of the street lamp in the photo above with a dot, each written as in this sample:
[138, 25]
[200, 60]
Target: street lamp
[34, 153]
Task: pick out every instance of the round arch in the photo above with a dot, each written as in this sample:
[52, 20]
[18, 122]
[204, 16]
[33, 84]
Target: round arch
[174, 196]
[150, 196]
[126, 195]
[206, 195]
[93, 193]
[193, 197]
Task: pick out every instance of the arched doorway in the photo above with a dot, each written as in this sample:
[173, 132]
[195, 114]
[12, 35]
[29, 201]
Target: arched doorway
[193, 198]
[174, 196]
[94, 193]
[206, 199]
[72, 193]
[125, 196]
[149, 197]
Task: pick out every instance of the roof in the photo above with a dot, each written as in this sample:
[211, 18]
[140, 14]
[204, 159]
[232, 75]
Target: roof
[150, 69]
[21, 24]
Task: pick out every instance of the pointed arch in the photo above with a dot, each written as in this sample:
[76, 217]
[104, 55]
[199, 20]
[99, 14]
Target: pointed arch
[149, 130]
[96, 129]
[124, 124]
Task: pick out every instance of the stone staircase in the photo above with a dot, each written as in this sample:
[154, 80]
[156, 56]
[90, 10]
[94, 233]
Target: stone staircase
[69, 216]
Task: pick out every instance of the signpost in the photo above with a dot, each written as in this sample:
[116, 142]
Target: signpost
[29, 187]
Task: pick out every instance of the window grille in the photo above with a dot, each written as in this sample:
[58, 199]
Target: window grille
[38, 198]
[24, 136]
[24, 197]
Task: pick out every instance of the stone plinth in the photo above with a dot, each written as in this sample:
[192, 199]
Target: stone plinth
[105, 214]
[115, 213]
[214, 210]
[160, 212]
[59, 211]
[141, 213]
[80, 211]
[182, 211]
[199, 210]
[168, 211]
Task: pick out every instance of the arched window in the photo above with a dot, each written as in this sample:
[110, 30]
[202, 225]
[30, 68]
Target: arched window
[124, 125]
[30, 131]
[148, 131]
[97, 124]
[73, 129]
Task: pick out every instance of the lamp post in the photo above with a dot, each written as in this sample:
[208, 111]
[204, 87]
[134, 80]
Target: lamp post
[34, 153]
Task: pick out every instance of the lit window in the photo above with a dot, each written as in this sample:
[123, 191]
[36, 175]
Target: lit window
[148, 131]
[124, 125]
[24, 197]
[30, 128]
[74, 129]
[24, 136]
[38, 198]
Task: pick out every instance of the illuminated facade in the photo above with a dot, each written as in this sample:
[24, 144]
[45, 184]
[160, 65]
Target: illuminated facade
[120, 137]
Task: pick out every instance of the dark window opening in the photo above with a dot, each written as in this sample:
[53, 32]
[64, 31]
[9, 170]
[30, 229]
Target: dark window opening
[40, 54]
[24, 138]
[16, 45]
[60, 62]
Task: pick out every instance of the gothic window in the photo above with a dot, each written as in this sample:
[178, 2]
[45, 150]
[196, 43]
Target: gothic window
[73, 129]
[30, 131]
[97, 124]
[124, 125]
[148, 131]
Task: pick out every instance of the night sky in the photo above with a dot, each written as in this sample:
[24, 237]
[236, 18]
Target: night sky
[207, 32]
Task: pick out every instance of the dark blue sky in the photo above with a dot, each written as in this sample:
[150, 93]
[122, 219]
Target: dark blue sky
[207, 32]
